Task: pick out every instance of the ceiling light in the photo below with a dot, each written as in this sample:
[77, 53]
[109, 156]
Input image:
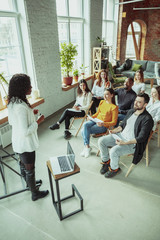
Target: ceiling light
[133, 1]
[150, 8]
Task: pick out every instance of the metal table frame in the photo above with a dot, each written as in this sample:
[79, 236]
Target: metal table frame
[57, 204]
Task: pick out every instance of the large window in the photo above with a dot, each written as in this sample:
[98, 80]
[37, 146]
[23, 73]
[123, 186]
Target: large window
[109, 27]
[130, 46]
[71, 26]
[11, 51]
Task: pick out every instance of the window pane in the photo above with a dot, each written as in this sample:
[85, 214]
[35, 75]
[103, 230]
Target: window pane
[110, 7]
[76, 39]
[10, 57]
[6, 5]
[75, 9]
[61, 7]
[109, 33]
[63, 32]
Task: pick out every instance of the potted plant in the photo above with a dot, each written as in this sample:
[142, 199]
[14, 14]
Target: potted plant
[82, 67]
[67, 56]
[75, 75]
[101, 41]
[4, 81]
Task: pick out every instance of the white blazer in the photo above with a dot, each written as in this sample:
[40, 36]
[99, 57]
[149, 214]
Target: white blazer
[24, 127]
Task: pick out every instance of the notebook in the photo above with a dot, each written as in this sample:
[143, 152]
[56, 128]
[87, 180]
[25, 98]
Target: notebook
[65, 163]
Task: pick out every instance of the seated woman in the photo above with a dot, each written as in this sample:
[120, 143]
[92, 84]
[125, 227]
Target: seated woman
[107, 112]
[139, 85]
[100, 84]
[153, 107]
[82, 103]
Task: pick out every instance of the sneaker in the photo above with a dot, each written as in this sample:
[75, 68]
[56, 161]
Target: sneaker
[105, 167]
[54, 126]
[82, 154]
[67, 134]
[87, 152]
[111, 173]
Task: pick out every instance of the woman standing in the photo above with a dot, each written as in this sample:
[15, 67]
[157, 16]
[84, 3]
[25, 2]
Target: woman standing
[153, 107]
[82, 103]
[100, 84]
[107, 113]
[24, 129]
[139, 85]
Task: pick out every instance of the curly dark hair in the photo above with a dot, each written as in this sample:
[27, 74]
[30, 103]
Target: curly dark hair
[19, 85]
[79, 91]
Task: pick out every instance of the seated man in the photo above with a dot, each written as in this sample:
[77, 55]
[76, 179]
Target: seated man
[126, 98]
[132, 137]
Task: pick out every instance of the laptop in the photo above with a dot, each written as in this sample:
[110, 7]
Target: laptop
[65, 163]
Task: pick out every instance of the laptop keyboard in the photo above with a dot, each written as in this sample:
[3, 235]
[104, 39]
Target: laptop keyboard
[64, 166]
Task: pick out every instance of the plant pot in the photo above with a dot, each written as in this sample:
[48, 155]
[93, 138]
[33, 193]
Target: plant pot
[76, 78]
[67, 80]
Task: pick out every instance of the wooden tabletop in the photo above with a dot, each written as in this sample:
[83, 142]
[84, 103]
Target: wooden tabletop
[60, 176]
[34, 103]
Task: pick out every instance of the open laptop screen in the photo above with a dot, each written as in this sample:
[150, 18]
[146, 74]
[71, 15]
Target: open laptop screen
[71, 155]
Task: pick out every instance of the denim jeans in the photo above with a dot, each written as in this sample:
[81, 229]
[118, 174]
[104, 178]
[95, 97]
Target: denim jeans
[91, 127]
[115, 152]
[120, 118]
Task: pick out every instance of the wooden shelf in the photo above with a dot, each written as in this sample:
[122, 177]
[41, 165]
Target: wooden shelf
[68, 87]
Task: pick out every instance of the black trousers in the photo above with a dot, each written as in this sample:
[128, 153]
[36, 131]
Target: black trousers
[95, 104]
[68, 114]
[28, 159]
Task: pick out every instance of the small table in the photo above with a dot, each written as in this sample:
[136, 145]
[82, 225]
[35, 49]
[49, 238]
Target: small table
[57, 204]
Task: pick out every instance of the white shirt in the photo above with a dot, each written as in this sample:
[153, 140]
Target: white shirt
[84, 101]
[128, 131]
[138, 87]
[24, 127]
[98, 91]
[154, 109]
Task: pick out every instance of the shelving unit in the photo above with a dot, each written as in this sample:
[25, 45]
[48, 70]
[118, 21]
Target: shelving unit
[100, 58]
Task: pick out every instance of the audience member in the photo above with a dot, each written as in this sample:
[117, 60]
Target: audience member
[99, 85]
[126, 97]
[24, 129]
[153, 106]
[107, 112]
[82, 103]
[132, 137]
[139, 85]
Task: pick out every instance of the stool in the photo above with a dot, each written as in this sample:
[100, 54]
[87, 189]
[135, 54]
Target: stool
[57, 204]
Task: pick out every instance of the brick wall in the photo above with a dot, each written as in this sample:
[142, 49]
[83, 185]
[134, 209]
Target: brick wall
[152, 21]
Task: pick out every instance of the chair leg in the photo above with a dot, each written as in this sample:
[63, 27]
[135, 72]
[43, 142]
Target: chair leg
[71, 123]
[79, 127]
[97, 154]
[158, 136]
[129, 170]
[147, 156]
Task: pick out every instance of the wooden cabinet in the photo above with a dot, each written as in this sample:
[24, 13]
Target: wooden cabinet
[100, 58]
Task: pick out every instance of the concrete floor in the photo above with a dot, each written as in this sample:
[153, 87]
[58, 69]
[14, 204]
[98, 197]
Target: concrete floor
[114, 209]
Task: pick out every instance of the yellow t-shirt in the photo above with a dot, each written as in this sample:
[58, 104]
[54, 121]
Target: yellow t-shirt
[107, 112]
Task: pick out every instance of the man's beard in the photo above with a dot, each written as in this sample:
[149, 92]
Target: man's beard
[137, 108]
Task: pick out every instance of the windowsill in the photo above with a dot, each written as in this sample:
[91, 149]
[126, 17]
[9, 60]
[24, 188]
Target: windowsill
[4, 112]
[75, 84]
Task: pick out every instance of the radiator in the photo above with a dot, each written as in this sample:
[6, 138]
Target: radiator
[5, 135]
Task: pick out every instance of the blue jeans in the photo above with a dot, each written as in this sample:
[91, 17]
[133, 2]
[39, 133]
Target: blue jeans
[116, 150]
[120, 118]
[91, 127]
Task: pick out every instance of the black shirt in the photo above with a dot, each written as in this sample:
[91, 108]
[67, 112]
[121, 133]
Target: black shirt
[125, 99]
